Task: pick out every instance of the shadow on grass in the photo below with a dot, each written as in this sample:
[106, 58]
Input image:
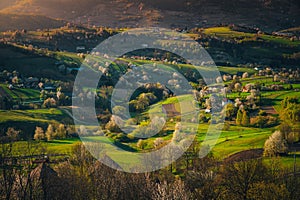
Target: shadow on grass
[269, 102]
[291, 155]
[62, 141]
[125, 147]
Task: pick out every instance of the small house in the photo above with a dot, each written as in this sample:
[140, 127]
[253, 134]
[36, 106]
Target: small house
[80, 49]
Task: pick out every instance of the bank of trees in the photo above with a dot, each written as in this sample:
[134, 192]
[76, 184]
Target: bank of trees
[243, 118]
[290, 110]
[53, 132]
[278, 143]
[82, 177]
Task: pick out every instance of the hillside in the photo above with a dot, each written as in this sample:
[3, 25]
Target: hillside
[269, 15]
[16, 58]
[29, 22]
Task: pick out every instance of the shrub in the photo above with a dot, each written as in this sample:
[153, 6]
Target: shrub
[50, 103]
[131, 121]
[264, 121]
[203, 118]
[12, 134]
[229, 111]
[121, 137]
[226, 126]
[112, 125]
[141, 144]
[262, 113]
[245, 75]
[158, 142]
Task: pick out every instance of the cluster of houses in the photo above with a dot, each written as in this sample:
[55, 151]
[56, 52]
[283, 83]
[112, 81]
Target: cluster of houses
[14, 80]
[64, 69]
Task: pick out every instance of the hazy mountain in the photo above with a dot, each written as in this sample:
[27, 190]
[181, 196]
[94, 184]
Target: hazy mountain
[268, 14]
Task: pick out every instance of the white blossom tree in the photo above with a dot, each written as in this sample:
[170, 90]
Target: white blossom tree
[275, 144]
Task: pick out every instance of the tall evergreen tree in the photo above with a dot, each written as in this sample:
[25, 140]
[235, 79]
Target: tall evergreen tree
[245, 119]
[239, 117]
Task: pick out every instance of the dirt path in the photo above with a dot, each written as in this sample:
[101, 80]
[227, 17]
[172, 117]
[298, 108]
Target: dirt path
[269, 110]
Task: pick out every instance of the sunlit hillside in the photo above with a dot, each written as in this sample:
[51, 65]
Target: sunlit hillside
[271, 15]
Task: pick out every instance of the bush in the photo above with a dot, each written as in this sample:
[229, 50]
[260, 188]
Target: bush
[262, 113]
[203, 118]
[141, 144]
[226, 126]
[121, 137]
[158, 142]
[264, 121]
[112, 126]
[131, 121]
[104, 118]
[50, 103]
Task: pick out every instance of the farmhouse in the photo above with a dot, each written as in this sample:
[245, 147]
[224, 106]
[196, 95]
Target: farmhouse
[49, 87]
[80, 49]
[31, 82]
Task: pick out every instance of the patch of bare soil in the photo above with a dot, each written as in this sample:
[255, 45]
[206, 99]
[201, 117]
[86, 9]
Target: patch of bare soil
[245, 155]
[269, 110]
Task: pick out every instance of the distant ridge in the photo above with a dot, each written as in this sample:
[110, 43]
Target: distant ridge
[270, 15]
[28, 22]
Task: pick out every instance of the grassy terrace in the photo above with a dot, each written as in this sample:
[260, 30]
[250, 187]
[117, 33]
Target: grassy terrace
[228, 144]
[21, 94]
[41, 115]
[231, 141]
[185, 67]
[226, 32]
[238, 139]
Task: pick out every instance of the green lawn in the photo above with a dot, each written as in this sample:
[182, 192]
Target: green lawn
[40, 115]
[286, 162]
[65, 146]
[68, 57]
[235, 70]
[230, 142]
[226, 32]
[52, 147]
[239, 139]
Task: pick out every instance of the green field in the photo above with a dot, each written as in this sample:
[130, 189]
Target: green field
[226, 32]
[64, 146]
[187, 67]
[238, 139]
[40, 115]
[235, 140]
[22, 94]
